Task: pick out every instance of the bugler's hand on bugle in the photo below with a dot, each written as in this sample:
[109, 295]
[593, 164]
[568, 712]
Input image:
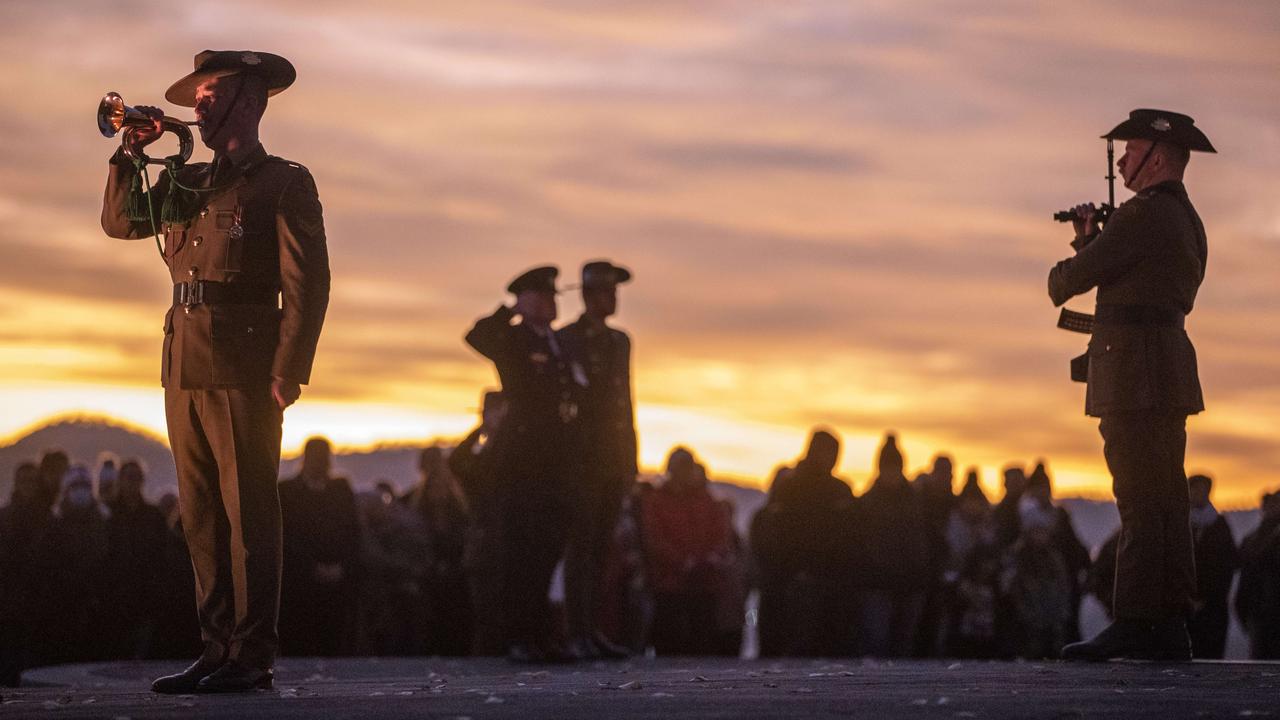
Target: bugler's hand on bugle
[144, 135]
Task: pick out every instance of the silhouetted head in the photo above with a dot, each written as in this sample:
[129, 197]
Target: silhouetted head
[943, 476]
[26, 485]
[229, 109]
[1015, 481]
[1158, 145]
[972, 500]
[537, 307]
[681, 466]
[890, 461]
[1039, 485]
[317, 459]
[53, 465]
[1163, 162]
[108, 465]
[823, 452]
[1271, 505]
[129, 483]
[535, 292]
[77, 490]
[1199, 488]
[700, 478]
[600, 280]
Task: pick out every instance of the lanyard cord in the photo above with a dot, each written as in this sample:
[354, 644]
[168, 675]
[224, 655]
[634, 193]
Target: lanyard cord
[151, 211]
[1145, 158]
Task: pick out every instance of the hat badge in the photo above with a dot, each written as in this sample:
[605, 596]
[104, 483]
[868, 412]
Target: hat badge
[1161, 124]
[250, 59]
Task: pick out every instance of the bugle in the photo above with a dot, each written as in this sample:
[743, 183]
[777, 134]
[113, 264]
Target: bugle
[116, 117]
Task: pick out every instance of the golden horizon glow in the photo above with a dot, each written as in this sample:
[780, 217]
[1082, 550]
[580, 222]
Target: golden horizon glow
[837, 213]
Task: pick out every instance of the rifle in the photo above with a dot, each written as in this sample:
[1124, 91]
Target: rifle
[1071, 320]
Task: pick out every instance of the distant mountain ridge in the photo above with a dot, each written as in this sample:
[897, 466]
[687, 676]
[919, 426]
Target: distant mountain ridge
[85, 439]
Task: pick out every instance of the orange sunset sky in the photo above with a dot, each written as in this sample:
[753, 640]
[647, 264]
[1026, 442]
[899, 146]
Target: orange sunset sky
[836, 212]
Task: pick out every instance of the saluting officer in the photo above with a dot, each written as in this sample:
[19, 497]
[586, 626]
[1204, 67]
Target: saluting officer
[244, 241]
[1147, 264]
[609, 433]
[537, 451]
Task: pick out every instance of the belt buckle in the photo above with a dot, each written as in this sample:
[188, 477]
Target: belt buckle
[192, 293]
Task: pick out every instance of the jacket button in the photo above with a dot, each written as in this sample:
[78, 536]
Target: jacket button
[197, 240]
[204, 212]
[250, 330]
[192, 272]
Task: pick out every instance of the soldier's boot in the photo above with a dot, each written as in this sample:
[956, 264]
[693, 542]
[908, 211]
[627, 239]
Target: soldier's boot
[235, 677]
[1120, 639]
[1170, 641]
[184, 683]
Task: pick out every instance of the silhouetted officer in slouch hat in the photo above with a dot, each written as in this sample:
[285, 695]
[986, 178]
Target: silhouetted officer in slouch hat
[245, 244]
[609, 460]
[537, 451]
[1147, 264]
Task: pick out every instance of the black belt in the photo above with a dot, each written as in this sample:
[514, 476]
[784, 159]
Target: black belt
[1139, 315]
[206, 292]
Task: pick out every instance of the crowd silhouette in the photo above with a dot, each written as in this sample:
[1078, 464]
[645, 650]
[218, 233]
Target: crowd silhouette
[89, 570]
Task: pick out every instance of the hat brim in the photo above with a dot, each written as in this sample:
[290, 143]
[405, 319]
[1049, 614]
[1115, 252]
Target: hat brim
[1189, 137]
[278, 72]
[616, 276]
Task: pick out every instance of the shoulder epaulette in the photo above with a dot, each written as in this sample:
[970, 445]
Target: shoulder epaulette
[290, 163]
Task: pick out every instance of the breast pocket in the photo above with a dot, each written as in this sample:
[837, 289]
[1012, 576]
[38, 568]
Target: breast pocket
[175, 237]
[244, 342]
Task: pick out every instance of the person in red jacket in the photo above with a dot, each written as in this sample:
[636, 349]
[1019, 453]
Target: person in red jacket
[688, 548]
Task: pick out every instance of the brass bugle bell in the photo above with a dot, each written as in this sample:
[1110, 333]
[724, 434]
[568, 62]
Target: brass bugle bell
[116, 117]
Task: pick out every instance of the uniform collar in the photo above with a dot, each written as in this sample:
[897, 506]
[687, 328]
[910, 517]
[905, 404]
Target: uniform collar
[592, 325]
[246, 162]
[1170, 186]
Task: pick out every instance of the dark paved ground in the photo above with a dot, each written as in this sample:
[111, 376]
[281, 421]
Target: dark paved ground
[433, 688]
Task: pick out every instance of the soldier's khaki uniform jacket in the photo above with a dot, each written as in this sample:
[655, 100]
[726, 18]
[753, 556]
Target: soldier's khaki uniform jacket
[540, 438]
[607, 412]
[261, 230]
[1151, 254]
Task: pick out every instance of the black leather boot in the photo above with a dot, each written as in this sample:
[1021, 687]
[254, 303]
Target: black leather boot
[234, 677]
[184, 683]
[1120, 639]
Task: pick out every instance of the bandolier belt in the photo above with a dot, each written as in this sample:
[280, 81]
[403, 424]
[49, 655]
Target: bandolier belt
[206, 292]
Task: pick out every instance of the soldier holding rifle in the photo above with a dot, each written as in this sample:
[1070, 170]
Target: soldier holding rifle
[1147, 264]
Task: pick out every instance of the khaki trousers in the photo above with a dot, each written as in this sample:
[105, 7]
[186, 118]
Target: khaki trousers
[599, 503]
[226, 445]
[1155, 561]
